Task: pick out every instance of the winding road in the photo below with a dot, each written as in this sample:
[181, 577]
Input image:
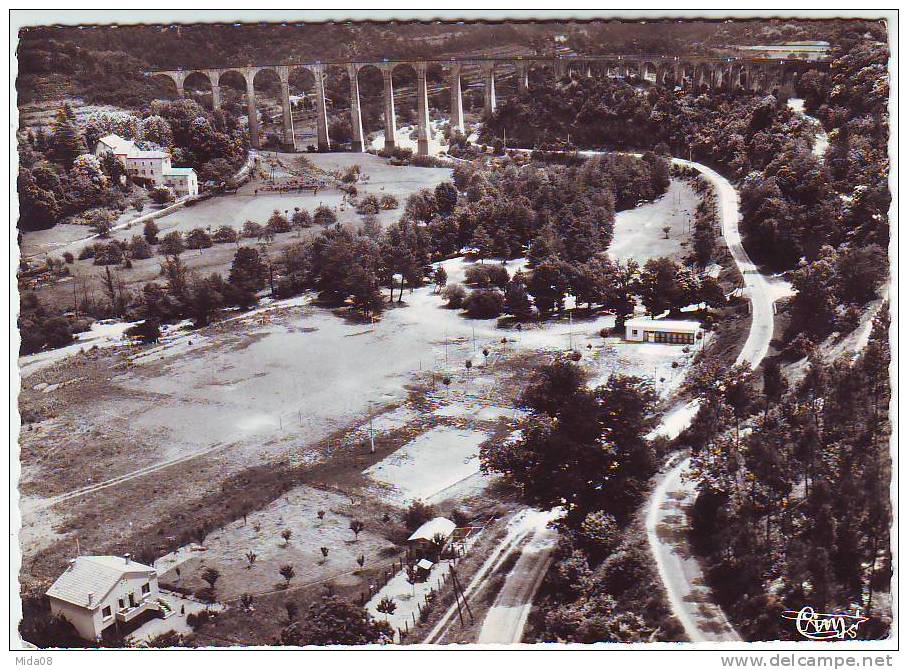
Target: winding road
[666, 515]
[666, 519]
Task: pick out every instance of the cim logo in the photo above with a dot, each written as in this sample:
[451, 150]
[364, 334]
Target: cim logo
[820, 626]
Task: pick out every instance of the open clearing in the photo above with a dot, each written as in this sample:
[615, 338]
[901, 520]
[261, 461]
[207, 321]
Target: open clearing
[431, 463]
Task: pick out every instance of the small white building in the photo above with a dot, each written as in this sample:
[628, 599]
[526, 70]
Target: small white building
[182, 181]
[151, 168]
[96, 592]
[423, 538]
[666, 331]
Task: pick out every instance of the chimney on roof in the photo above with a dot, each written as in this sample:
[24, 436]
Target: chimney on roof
[126, 557]
[72, 563]
[91, 597]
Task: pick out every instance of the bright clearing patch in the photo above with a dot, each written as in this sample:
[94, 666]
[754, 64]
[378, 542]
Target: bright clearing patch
[432, 462]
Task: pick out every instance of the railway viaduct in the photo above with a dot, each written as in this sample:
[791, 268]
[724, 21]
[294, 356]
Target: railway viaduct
[701, 73]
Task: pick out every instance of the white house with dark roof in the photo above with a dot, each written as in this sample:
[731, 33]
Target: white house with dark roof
[152, 168]
[97, 592]
[668, 331]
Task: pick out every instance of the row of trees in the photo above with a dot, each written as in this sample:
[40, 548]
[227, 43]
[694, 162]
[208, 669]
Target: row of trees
[662, 285]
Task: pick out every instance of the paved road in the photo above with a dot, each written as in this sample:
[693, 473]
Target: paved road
[666, 516]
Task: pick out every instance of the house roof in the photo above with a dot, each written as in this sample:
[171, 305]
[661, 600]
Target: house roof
[96, 575]
[664, 325]
[118, 144]
[180, 171]
[437, 526]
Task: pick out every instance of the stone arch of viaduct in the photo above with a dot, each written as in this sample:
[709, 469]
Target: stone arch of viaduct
[689, 72]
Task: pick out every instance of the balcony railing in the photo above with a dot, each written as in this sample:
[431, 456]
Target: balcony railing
[129, 613]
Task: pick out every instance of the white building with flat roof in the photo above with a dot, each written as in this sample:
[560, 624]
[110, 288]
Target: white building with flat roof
[151, 168]
[97, 592]
[666, 331]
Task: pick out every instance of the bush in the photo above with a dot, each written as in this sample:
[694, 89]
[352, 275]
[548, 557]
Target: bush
[368, 205]
[477, 275]
[87, 252]
[389, 202]
[68, 258]
[455, 295]
[252, 229]
[150, 232]
[148, 331]
[484, 303]
[161, 195]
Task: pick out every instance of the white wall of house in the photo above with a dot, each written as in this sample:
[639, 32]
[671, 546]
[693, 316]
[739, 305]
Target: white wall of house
[90, 622]
[182, 184]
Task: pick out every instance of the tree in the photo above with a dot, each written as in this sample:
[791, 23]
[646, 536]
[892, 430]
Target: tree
[446, 198]
[224, 235]
[482, 243]
[548, 284]
[250, 558]
[172, 244]
[247, 272]
[286, 534]
[278, 223]
[148, 331]
[161, 195]
[620, 296]
[150, 232]
[665, 285]
[484, 303]
[300, 220]
[251, 230]
[386, 606]
[67, 142]
[287, 572]
[357, 527]
[246, 602]
[211, 575]
[324, 216]
[455, 294]
[332, 621]
[417, 514]
[198, 238]
[39, 208]
[580, 448]
[516, 298]
[439, 278]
